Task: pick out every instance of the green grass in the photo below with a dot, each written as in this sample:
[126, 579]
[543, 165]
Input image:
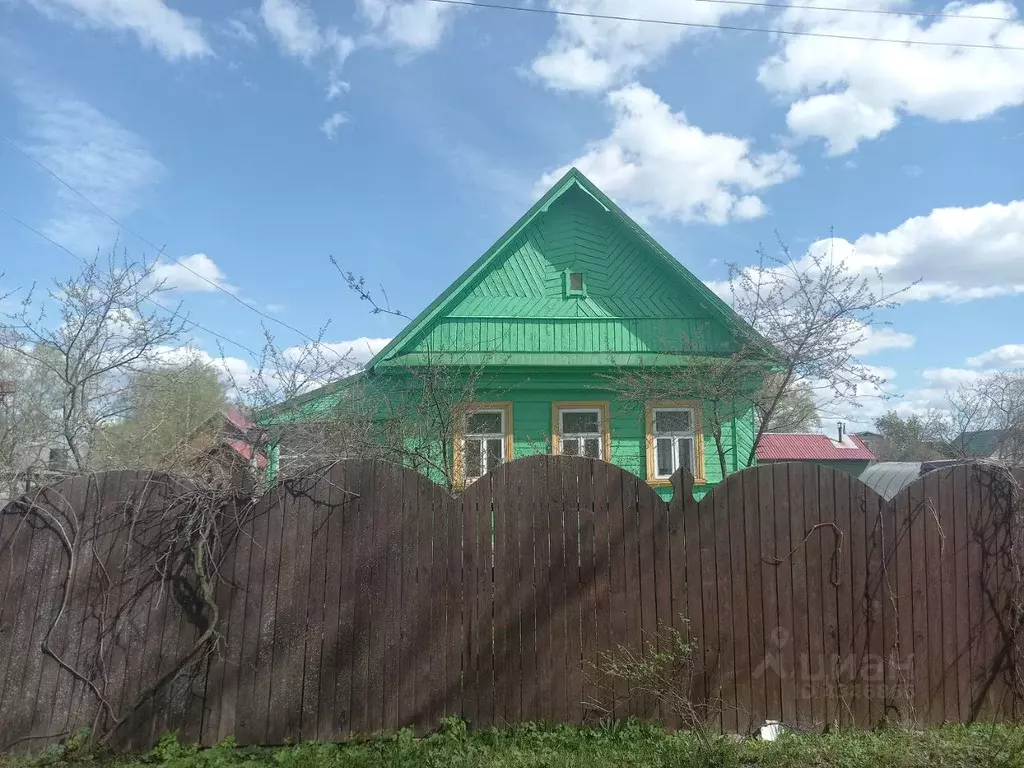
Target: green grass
[629, 744]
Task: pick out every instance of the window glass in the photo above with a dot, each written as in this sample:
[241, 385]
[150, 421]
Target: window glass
[665, 459]
[685, 447]
[571, 446]
[495, 451]
[484, 423]
[675, 420]
[575, 281]
[473, 455]
[580, 422]
[592, 448]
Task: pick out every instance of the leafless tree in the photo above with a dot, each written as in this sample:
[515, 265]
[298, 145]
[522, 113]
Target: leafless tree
[993, 404]
[87, 332]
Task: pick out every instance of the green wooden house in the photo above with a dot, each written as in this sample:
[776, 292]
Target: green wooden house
[573, 293]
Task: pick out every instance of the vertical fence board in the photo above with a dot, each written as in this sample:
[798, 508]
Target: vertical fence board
[371, 599]
[755, 603]
[574, 512]
[961, 580]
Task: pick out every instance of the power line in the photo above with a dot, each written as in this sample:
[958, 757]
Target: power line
[730, 28]
[880, 11]
[155, 303]
[156, 248]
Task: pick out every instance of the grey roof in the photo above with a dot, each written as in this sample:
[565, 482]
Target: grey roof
[887, 478]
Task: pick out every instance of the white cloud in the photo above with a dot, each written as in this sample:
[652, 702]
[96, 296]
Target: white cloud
[239, 30]
[849, 91]
[595, 54]
[356, 351]
[876, 339]
[950, 378]
[197, 272]
[1006, 356]
[658, 164]
[336, 87]
[331, 125]
[107, 163]
[295, 28]
[961, 253]
[174, 35]
[413, 26]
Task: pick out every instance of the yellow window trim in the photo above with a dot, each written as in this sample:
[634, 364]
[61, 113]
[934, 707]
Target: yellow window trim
[460, 420]
[594, 405]
[698, 433]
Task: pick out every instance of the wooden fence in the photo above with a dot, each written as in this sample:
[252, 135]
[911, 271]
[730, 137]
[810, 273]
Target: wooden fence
[368, 599]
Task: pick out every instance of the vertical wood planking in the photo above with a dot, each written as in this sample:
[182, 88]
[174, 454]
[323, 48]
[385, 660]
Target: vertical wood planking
[882, 560]
[754, 592]
[454, 606]
[577, 471]
[714, 661]
[961, 581]
[946, 653]
[800, 639]
[247, 730]
[406, 642]
[361, 591]
[647, 525]
[856, 666]
[419, 615]
[770, 659]
[316, 630]
[304, 632]
[810, 547]
[785, 639]
[638, 703]
[742, 513]
[829, 575]
[398, 518]
[723, 497]
[847, 658]
[471, 618]
[558, 477]
[589, 578]
[485, 601]
[920, 523]
[618, 597]
[383, 493]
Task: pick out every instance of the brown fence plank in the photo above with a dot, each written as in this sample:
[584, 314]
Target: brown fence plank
[471, 619]
[454, 513]
[770, 659]
[961, 582]
[422, 615]
[829, 573]
[920, 524]
[842, 640]
[742, 513]
[804, 715]
[618, 595]
[639, 704]
[603, 694]
[758, 693]
[664, 619]
[558, 475]
[945, 657]
[857, 666]
[533, 478]
[726, 619]
[356, 474]
[713, 661]
[398, 615]
[575, 511]
[588, 584]
[363, 554]
[647, 523]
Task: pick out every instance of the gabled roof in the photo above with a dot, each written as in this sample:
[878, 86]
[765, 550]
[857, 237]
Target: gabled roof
[777, 446]
[573, 179]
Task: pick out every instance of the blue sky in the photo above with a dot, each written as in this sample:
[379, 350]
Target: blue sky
[254, 139]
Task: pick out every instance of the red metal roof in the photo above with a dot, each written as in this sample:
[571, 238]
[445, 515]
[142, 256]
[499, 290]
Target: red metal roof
[803, 447]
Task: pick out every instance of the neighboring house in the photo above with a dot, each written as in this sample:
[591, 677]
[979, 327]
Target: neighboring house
[573, 293]
[983, 444]
[847, 453]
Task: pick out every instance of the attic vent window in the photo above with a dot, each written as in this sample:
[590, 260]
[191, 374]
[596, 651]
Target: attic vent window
[575, 285]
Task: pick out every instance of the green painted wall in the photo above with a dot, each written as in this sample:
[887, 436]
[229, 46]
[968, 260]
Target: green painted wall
[532, 393]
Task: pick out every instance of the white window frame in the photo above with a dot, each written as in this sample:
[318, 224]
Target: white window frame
[581, 436]
[675, 436]
[482, 438]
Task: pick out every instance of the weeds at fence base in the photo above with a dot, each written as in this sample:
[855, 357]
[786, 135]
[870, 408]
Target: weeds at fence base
[630, 743]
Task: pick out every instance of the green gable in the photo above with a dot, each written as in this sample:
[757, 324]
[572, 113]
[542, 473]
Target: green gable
[637, 303]
[574, 291]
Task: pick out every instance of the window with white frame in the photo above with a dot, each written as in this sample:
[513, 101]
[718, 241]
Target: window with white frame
[581, 432]
[675, 441]
[483, 442]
